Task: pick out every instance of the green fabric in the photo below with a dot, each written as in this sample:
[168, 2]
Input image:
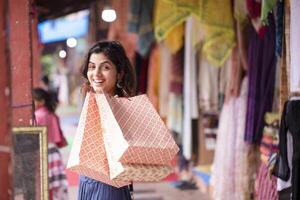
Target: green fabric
[266, 7]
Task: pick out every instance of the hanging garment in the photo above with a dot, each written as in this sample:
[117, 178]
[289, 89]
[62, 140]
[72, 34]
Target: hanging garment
[241, 173]
[281, 184]
[267, 6]
[189, 90]
[167, 15]
[266, 187]
[175, 104]
[290, 122]
[262, 69]
[140, 22]
[153, 76]
[265, 183]
[164, 80]
[295, 47]
[174, 39]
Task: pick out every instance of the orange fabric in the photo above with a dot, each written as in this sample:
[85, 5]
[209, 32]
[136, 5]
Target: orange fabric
[153, 77]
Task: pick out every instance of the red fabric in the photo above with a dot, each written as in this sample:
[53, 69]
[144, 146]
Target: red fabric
[254, 8]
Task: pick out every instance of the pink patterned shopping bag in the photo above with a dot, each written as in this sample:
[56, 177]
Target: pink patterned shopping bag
[88, 155]
[92, 157]
[134, 131]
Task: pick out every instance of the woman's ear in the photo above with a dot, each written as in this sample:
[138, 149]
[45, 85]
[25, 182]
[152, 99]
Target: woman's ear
[120, 76]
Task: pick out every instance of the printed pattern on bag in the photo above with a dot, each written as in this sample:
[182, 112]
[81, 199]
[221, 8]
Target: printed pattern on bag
[148, 139]
[92, 156]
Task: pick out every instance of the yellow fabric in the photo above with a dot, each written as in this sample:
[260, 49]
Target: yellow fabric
[217, 17]
[271, 117]
[192, 6]
[174, 39]
[167, 15]
[240, 11]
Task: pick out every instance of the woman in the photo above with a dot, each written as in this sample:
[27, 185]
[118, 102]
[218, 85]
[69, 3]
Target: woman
[106, 68]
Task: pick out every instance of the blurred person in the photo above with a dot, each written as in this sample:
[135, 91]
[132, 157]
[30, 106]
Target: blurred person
[45, 116]
[108, 69]
[53, 93]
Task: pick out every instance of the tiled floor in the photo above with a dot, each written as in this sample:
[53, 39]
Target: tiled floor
[143, 191]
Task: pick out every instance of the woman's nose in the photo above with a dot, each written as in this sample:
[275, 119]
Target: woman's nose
[98, 71]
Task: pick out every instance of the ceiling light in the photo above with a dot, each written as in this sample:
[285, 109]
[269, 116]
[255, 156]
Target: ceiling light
[109, 14]
[71, 42]
[62, 53]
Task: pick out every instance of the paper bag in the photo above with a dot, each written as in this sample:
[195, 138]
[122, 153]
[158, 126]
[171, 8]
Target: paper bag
[88, 155]
[134, 131]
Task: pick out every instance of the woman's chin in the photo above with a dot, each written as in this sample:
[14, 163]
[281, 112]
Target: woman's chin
[98, 89]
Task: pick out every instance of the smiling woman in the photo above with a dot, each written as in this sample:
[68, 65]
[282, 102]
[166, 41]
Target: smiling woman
[102, 73]
[106, 68]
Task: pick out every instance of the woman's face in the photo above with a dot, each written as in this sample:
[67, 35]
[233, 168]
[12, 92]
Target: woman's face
[102, 73]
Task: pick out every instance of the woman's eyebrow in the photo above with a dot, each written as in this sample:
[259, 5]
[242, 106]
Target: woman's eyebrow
[104, 62]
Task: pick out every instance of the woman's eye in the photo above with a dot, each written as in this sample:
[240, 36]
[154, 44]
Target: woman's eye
[106, 67]
[91, 67]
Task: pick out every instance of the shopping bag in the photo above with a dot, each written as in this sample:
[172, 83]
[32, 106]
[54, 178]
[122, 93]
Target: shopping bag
[134, 131]
[88, 154]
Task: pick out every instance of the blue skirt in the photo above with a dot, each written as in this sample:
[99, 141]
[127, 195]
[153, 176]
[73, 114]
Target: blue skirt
[90, 189]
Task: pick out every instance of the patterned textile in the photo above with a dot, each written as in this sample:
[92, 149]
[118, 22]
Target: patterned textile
[140, 22]
[58, 184]
[262, 70]
[265, 185]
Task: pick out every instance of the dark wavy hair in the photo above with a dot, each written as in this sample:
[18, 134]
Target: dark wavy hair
[40, 94]
[115, 52]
